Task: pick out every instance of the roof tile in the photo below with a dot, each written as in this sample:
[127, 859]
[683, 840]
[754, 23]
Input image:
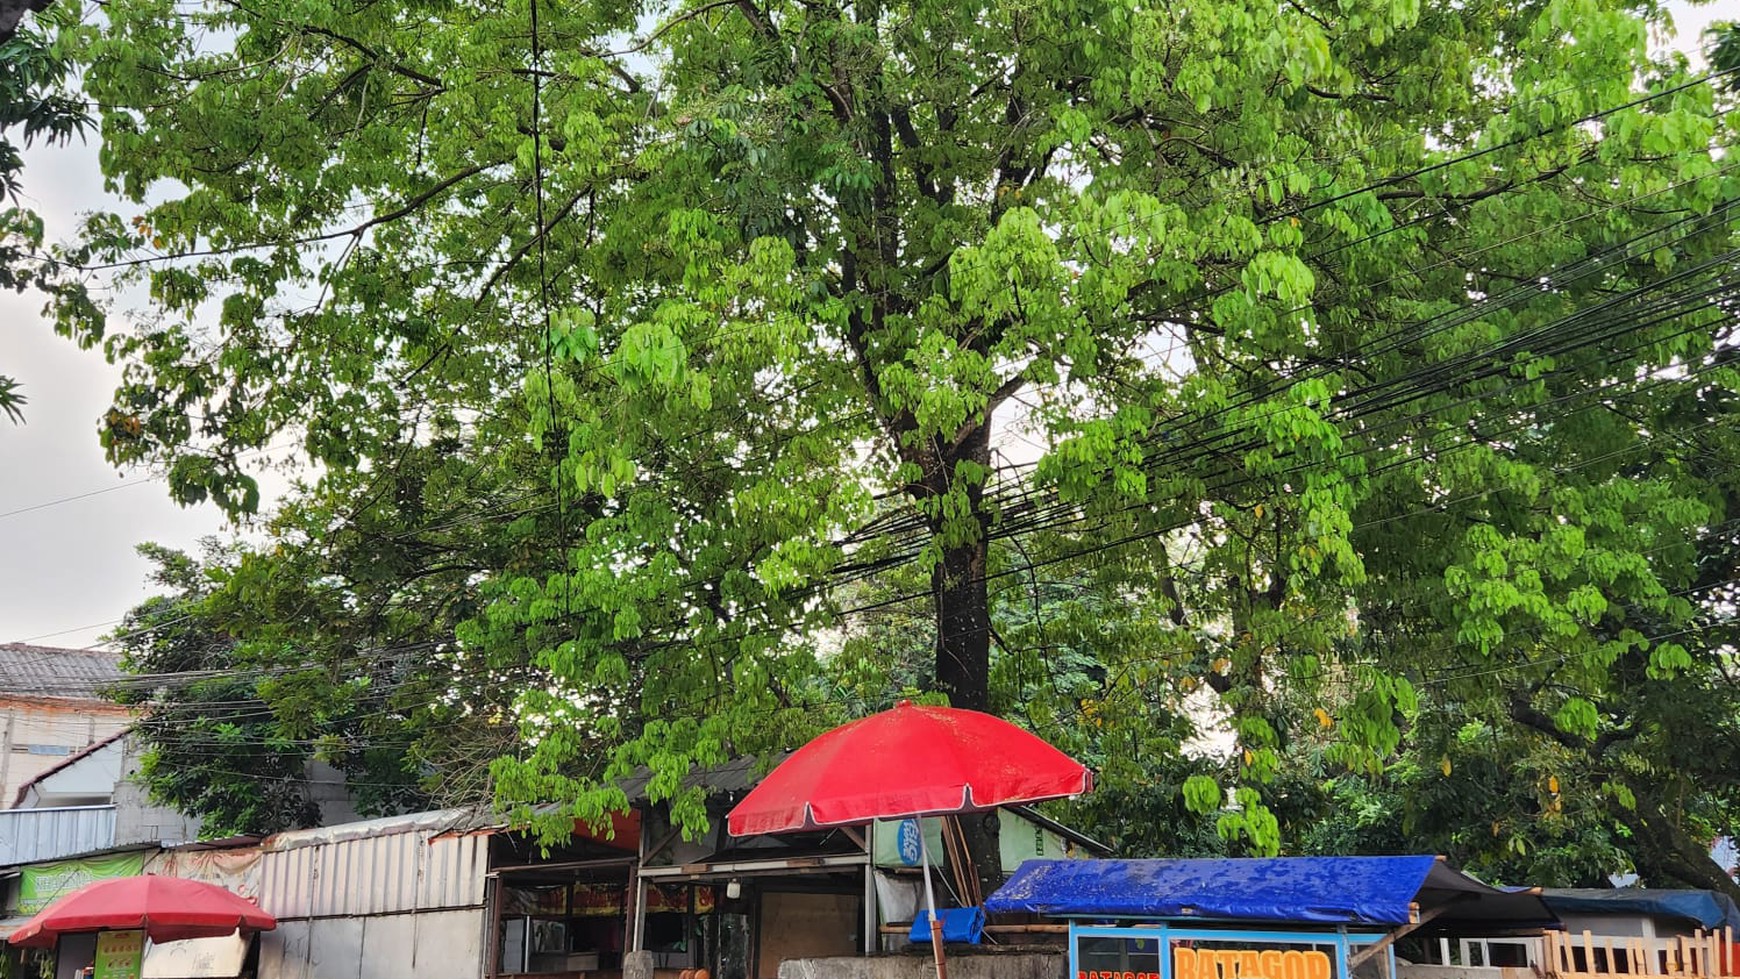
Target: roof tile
[45, 671]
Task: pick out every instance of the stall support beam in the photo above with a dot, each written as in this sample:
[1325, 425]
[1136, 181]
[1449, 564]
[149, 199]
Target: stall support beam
[497, 893]
[637, 914]
[872, 915]
[1358, 958]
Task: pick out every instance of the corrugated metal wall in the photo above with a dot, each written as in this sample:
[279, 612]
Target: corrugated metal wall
[429, 945]
[418, 870]
[383, 899]
[32, 835]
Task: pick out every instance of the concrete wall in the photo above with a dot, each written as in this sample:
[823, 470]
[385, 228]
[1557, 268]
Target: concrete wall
[137, 818]
[979, 965]
[88, 781]
[36, 734]
[1429, 971]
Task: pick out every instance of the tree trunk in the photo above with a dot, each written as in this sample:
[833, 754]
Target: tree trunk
[983, 834]
[963, 627]
[963, 609]
[1667, 855]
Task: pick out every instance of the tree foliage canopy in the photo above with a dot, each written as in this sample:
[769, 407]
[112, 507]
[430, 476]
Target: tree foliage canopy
[655, 356]
[35, 106]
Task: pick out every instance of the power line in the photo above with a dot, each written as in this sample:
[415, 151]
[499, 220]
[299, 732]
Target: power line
[143, 481]
[1573, 327]
[72, 499]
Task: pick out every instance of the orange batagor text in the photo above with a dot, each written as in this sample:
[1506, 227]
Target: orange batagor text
[1204, 963]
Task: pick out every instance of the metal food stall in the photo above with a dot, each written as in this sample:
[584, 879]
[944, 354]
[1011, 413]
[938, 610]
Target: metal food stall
[1264, 918]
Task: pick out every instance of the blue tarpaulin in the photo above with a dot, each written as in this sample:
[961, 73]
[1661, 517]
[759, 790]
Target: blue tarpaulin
[1299, 890]
[1708, 908]
[959, 925]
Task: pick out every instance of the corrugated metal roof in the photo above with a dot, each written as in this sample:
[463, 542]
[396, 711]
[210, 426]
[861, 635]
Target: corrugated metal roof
[33, 835]
[435, 822]
[47, 671]
[379, 866]
[735, 776]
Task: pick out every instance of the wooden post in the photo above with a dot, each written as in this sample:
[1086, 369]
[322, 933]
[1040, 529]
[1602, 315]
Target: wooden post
[960, 861]
[635, 893]
[6, 753]
[637, 911]
[872, 937]
[1358, 958]
[494, 939]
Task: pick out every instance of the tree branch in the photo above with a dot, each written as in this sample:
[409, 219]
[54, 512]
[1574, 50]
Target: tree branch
[374, 55]
[408, 206]
[1326, 94]
[1003, 393]
[526, 246]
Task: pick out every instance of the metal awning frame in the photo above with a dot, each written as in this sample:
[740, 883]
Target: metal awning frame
[1163, 934]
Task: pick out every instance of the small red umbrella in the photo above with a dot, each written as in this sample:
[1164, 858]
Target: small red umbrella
[167, 909]
[904, 763]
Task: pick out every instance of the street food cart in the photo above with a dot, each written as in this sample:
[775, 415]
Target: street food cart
[1278, 918]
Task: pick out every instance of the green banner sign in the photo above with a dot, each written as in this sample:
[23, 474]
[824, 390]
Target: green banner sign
[40, 885]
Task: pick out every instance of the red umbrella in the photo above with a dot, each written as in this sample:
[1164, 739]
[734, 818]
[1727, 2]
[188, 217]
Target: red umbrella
[908, 762]
[167, 909]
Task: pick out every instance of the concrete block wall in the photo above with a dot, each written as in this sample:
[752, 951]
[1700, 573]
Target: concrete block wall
[1001, 965]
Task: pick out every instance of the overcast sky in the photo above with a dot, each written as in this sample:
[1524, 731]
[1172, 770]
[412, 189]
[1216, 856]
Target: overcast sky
[69, 522]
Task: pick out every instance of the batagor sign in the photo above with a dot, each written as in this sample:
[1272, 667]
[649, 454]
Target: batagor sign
[1233, 963]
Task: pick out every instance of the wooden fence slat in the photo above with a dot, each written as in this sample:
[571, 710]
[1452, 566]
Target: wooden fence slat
[1703, 954]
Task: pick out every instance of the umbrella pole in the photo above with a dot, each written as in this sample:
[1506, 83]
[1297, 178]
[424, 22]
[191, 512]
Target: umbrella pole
[936, 928]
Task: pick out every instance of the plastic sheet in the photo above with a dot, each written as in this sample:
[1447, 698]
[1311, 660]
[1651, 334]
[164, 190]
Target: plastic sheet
[1300, 890]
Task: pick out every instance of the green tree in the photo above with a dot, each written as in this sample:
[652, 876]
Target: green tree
[1558, 759]
[34, 106]
[206, 752]
[1312, 309]
[239, 694]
